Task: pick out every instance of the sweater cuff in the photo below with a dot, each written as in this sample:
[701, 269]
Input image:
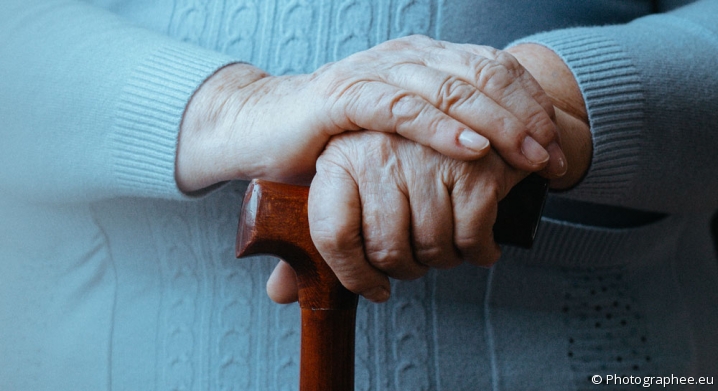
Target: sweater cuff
[611, 88]
[149, 114]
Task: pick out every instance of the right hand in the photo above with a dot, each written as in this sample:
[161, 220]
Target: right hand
[381, 206]
[456, 99]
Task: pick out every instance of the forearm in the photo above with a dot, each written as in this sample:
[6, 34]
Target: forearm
[90, 103]
[456, 99]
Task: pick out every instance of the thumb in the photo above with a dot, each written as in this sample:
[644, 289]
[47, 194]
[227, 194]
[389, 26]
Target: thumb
[282, 284]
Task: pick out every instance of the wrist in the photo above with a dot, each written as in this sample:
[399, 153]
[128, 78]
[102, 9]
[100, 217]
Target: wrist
[557, 80]
[206, 154]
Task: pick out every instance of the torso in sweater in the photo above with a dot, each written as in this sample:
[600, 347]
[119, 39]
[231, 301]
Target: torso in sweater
[138, 294]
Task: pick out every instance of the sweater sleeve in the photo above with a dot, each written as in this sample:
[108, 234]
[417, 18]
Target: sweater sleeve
[651, 91]
[90, 105]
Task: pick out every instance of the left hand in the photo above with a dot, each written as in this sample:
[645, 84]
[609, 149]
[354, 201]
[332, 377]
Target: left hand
[243, 123]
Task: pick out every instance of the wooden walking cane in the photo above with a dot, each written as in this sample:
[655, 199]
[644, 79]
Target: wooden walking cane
[274, 221]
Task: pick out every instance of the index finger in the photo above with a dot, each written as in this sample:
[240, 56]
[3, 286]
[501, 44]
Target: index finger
[335, 222]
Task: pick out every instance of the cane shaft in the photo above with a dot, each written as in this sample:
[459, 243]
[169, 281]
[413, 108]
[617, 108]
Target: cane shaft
[327, 350]
[274, 221]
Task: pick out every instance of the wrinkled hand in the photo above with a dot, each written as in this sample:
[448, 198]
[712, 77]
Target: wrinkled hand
[243, 123]
[411, 169]
[381, 206]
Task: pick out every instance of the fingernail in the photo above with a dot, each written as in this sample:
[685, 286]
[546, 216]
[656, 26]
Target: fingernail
[473, 140]
[559, 168]
[377, 295]
[533, 151]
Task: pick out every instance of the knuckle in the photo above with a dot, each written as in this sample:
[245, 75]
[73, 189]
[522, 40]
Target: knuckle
[415, 41]
[493, 76]
[541, 127]
[361, 59]
[429, 255]
[385, 259]
[469, 242]
[402, 105]
[486, 53]
[437, 257]
[509, 62]
[492, 51]
[418, 39]
[393, 45]
[397, 43]
[453, 93]
[475, 64]
[404, 108]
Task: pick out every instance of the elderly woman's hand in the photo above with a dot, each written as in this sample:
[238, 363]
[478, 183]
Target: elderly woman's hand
[381, 206]
[243, 123]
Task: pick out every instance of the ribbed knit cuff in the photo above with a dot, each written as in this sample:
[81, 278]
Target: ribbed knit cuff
[149, 114]
[612, 90]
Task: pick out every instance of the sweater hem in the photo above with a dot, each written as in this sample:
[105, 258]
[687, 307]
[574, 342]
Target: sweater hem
[613, 94]
[149, 115]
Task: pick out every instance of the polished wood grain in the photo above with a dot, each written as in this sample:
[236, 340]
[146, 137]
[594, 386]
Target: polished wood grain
[274, 221]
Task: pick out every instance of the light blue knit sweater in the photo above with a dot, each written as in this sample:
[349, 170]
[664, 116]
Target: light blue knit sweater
[110, 278]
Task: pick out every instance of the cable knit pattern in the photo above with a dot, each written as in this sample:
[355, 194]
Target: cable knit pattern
[354, 37]
[235, 318]
[137, 288]
[190, 20]
[293, 36]
[412, 330]
[183, 308]
[414, 17]
[241, 27]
